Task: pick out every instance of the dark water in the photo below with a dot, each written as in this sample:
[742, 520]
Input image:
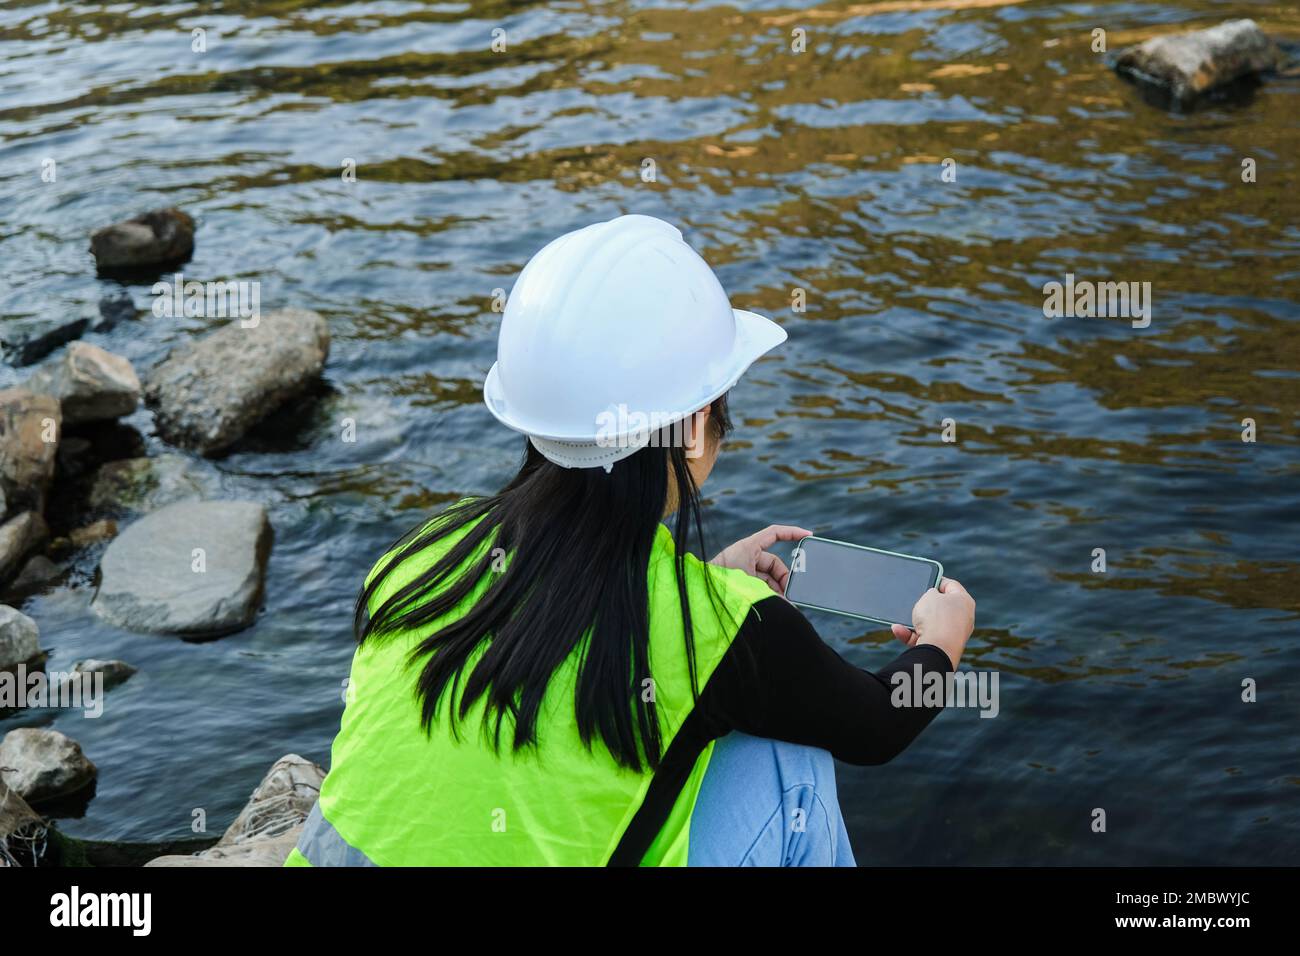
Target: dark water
[820, 171]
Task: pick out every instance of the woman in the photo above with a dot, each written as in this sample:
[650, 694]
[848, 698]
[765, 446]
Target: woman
[547, 675]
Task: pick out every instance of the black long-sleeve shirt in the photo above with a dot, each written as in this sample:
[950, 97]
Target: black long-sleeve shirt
[780, 680]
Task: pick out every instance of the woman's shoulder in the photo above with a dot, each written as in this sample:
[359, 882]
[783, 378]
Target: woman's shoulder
[736, 588]
[391, 561]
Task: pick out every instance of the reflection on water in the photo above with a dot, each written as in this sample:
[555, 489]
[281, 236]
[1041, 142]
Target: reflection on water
[816, 171]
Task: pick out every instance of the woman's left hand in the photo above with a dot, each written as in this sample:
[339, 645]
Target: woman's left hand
[751, 556]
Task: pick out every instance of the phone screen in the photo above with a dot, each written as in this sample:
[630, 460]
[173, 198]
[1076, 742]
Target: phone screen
[842, 577]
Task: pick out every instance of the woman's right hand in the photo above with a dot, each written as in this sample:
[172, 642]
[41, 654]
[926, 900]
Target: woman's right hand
[944, 617]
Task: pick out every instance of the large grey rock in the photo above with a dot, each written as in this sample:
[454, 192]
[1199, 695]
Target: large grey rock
[268, 826]
[22, 831]
[19, 638]
[42, 764]
[90, 383]
[30, 426]
[20, 536]
[210, 392]
[1190, 64]
[157, 237]
[147, 484]
[151, 581]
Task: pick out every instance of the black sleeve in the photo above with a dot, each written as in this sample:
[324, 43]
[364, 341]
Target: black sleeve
[780, 680]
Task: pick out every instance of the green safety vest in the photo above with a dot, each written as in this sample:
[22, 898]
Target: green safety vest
[396, 796]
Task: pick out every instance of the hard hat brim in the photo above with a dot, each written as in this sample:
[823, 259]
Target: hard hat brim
[756, 335]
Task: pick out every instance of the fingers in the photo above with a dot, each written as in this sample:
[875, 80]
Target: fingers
[904, 634]
[778, 532]
[772, 569]
[951, 586]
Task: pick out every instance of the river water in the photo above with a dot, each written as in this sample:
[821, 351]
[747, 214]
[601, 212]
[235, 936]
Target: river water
[820, 171]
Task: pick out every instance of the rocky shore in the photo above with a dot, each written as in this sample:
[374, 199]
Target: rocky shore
[172, 556]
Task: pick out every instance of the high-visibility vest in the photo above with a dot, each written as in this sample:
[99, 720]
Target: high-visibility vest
[397, 796]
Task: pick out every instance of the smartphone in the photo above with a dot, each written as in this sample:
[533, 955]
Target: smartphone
[866, 583]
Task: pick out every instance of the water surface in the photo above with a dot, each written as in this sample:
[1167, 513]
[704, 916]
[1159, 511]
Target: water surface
[818, 171]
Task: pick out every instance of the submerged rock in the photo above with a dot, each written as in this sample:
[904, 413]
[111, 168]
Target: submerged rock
[37, 573]
[27, 347]
[90, 383]
[210, 392]
[1191, 64]
[192, 568]
[114, 309]
[158, 237]
[42, 764]
[20, 639]
[30, 426]
[146, 484]
[19, 537]
[115, 672]
[30, 349]
[268, 826]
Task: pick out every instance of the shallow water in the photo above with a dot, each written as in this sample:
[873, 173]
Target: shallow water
[821, 171]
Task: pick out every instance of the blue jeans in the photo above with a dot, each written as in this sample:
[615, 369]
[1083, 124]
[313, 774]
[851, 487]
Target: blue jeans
[768, 803]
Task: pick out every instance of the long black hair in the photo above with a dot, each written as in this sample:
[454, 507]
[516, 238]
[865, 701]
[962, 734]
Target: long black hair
[579, 542]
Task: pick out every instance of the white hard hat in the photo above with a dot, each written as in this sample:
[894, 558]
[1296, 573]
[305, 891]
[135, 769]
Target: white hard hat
[611, 328]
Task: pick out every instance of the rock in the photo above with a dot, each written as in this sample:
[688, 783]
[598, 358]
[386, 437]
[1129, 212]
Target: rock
[272, 851]
[90, 383]
[30, 426]
[210, 392]
[114, 309]
[146, 484]
[19, 638]
[19, 537]
[25, 348]
[22, 831]
[74, 456]
[159, 237]
[1194, 63]
[92, 533]
[42, 764]
[268, 826]
[37, 573]
[151, 582]
[30, 349]
[281, 801]
[115, 672]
